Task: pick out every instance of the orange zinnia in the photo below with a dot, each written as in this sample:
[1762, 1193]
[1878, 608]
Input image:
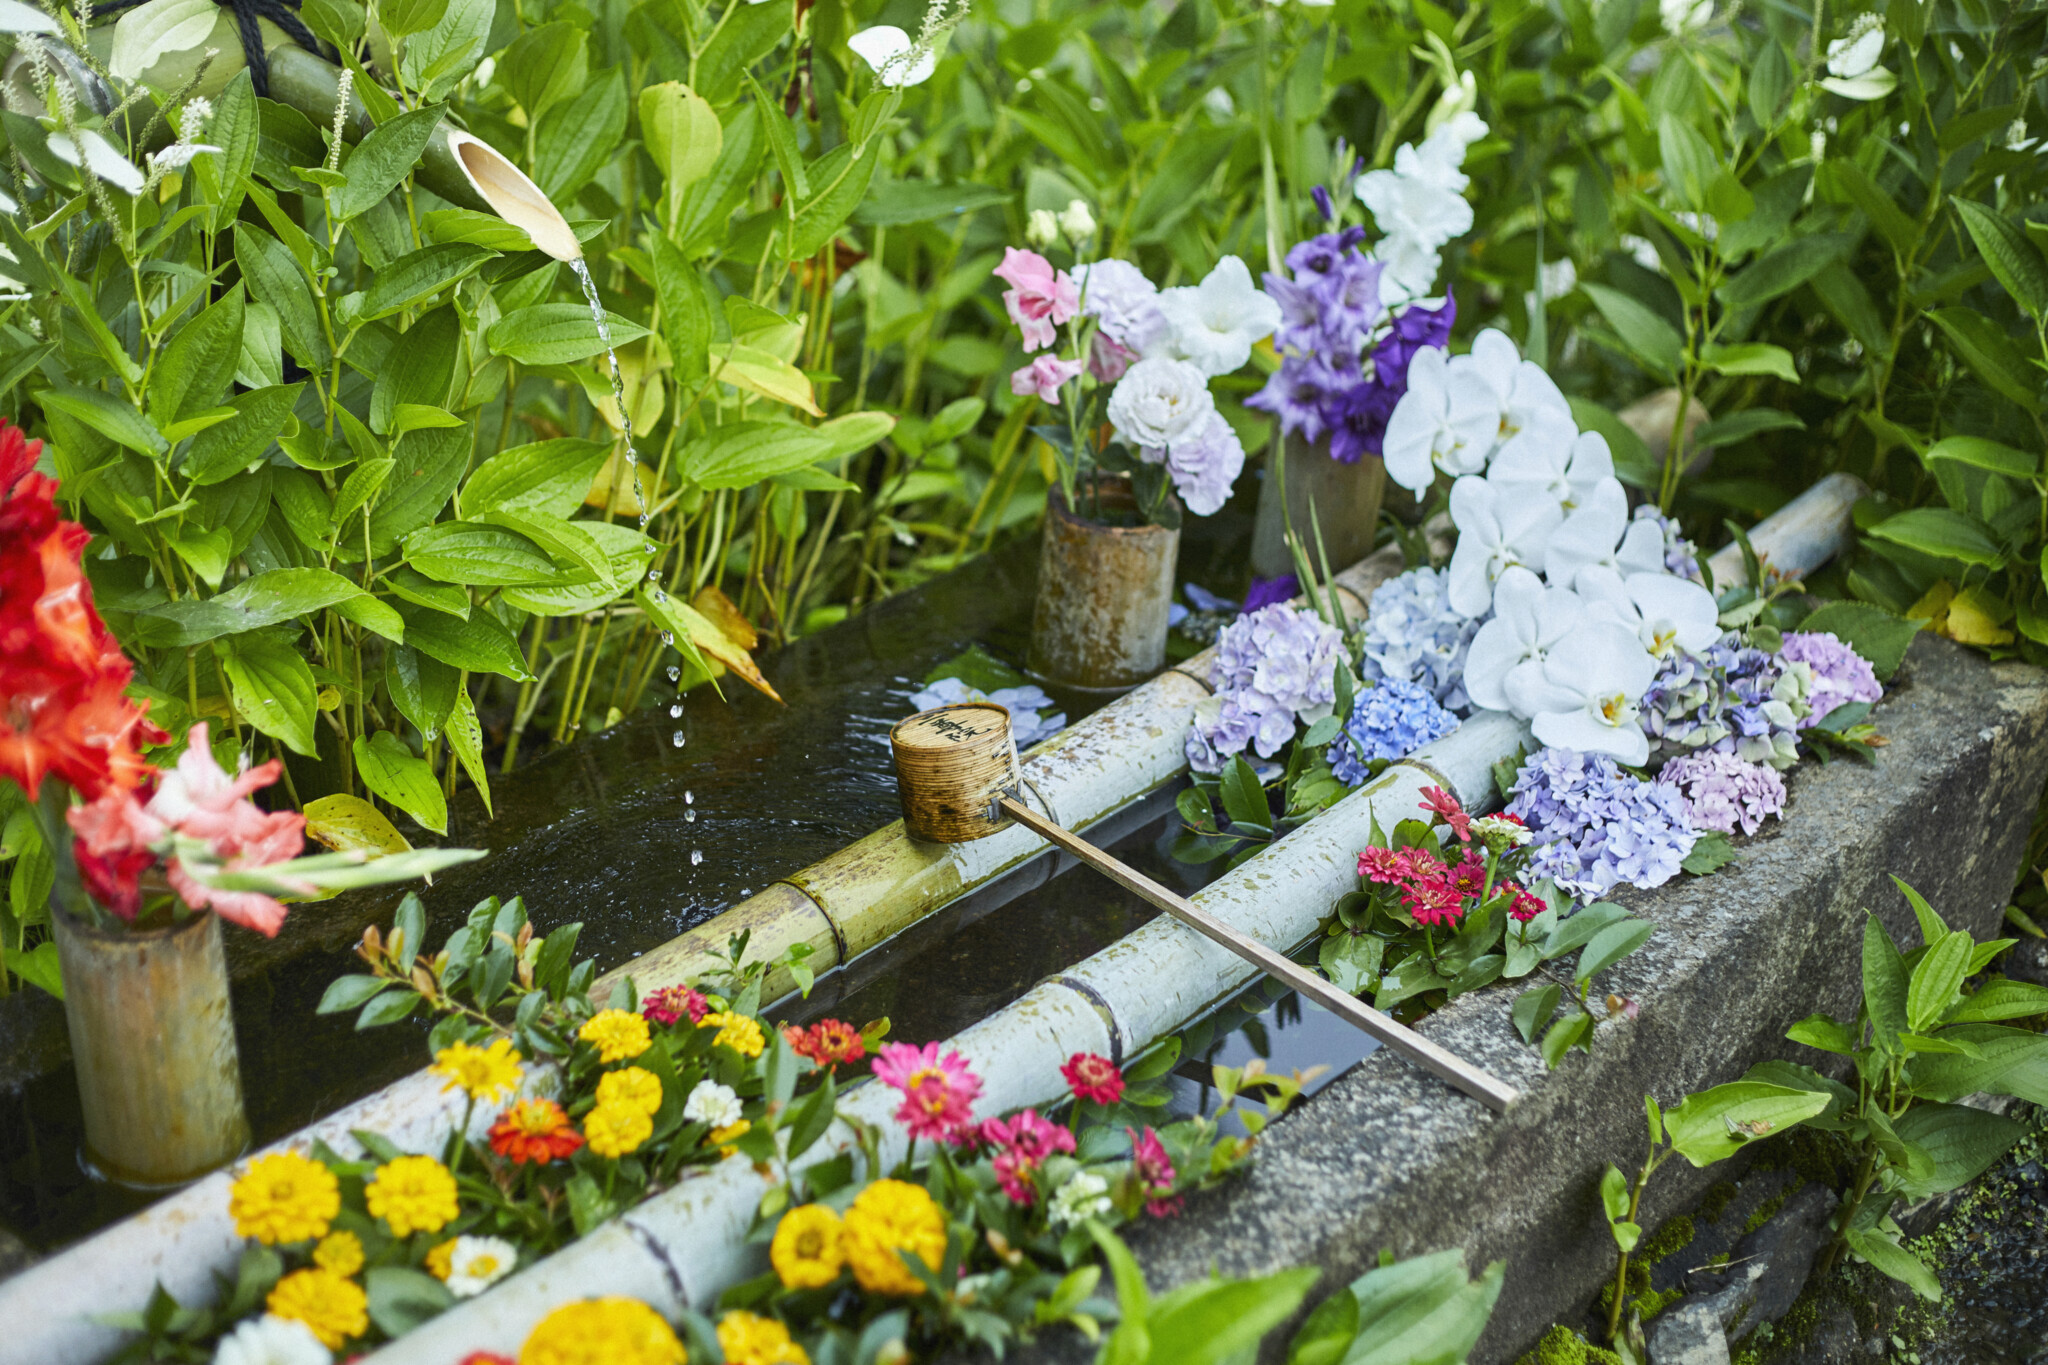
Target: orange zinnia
[534, 1132]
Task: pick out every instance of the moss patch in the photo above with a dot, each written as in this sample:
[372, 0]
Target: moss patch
[1824, 1158]
[1715, 1203]
[1562, 1346]
[1768, 1210]
[1674, 1236]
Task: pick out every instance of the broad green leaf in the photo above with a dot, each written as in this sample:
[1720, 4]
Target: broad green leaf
[557, 334]
[1780, 272]
[1700, 1127]
[757, 371]
[472, 553]
[839, 180]
[1614, 1193]
[1581, 928]
[568, 542]
[275, 279]
[1884, 983]
[345, 993]
[267, 599]
[403, 18]
[109, 416]
[1961, 1142]
[195, 368]
[381, 160]
[466, 742]
[1181, 183]
[2011, 1061]
[422, 688]
[744, 38]
[1649, 338]
[1211, 1321]
[1850, 181]
[162, 28]
[1989, 353]
[1982, 453]
[429, 465]
[487, 230]
[1711, 852]
[744, 453]
[1689, 163]
[1611, 945]
[684, 623]
[626, 550]
[1326, 1335]
[411, 280]
[577, 138]
[1244, 798]
[544, 66]
[1998, 1000]
[1752, 357]
[683, 136]
[2015, 262]
[349, 824]
[1885, 1254]
[1824, 1032]
[1943, 533]
[1422, 1311]
[394, 774]
[1574, 1030]
[1937, 980]
[226, 449]
[273, 688]
[546, 477]
[1533, 1008]
[686, 312]
[480, 644]
[437, 60]
[896, 203]
[402, 1298]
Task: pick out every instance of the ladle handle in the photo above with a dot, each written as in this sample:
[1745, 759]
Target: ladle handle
[1489, 1090]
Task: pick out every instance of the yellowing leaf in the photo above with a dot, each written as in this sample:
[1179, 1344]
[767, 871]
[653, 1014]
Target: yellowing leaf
[348, 824]
[1933, 606]
[719, 609]
[756, 371]
[1974, 619]
[683, 620]
[620, 501]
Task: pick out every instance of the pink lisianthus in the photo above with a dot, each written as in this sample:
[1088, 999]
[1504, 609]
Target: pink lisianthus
[1043, 377]
[1108, 358]
[1093, 1078]
[1154, 1172]
[1040, 299]
[938, 1092]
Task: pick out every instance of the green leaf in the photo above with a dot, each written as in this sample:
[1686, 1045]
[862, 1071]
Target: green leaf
[1752, 357]
[1981, 453]
[1689, 163]
[40, 967]
[195, 368]
[1567, 1033]
[1533, 1008]
[109, 416]
[1851, 182]
[411, 280]
[1989, 353]
[682, 134]
[227, 448]
[1885, 1254]
[391, 771]
[1962, 1143]
[2011, 1061]
[403, 18]
[267, 599]
[897, 203]
[1244, 798]
[1712, 1125]
[577, 138]
[349, 992]
[545, 65]
[472, 553]
[744, 37]
[1937, 981]
[429, 465]
[1871, 631]
[1884, 984]
[839, 181]
[1740, 426]
[275, 279]
[1943, 533]
[466, 742]
[157, 30]
[1611, 945]
[2000, 999]
[741, 454]
[1648, 337]
[1210, 1321]
[1422, 1311]
[546, 477]
[1780, 272]
[402, 1298]
[686, 310]
[1824, 1032]
[1326, 1335]
[273, 688]
[381, 160]
[1180, 184]
[480, 644]
[2015, 262]
[557, 334]
[422, 688]
[1711, 852]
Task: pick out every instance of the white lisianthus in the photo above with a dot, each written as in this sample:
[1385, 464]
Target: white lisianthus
[1599, 532]
[897, 60]
[1214, 324]
[1123, 302]
[712, 1104]
[1508, 652]
[271, 1340]
[1591, 687]
[477, 1263]
[1448, 419]
[1041, 228]
[1494, 534]
[1076, 221]
[1158, 400]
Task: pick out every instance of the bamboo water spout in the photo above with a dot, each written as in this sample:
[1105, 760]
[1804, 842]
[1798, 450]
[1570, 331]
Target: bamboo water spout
[513, 197]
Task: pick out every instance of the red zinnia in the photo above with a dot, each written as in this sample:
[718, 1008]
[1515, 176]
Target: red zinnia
[1434, 901]
[1470, 875]
[1381, 865]
[487, 1358]
[1093, 1078]
[830, 1042]
[669, 1004]
[1445, 807]
[534, 1132]
[1154, 1172]
[1525, 906]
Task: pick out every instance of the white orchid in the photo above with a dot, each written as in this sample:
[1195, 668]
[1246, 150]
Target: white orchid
[1214, 324]
[1665, 611]
[1536, 464]
[1495, 533]
[1591, 689]
[1447, 420]
[897, 60]
[1599, 532]
[1506, 657]
[1528, 398]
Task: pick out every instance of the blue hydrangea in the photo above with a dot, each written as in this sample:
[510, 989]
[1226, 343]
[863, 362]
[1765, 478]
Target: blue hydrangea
[1597, 827]
[1413, 634]
[1389, 721]
[1733, 699]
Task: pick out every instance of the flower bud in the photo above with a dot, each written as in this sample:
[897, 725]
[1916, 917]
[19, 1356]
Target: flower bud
[1462, 98]
[1077, 222]
[1042, 228]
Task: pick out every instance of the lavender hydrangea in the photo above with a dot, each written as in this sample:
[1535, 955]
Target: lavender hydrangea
[1597, 827]
[1734, 698]
[1723, 792]
[1839, 675]
[1681, 556]
[1272, 666]
[1389, 721]
[1033, 714]
[1413, 634]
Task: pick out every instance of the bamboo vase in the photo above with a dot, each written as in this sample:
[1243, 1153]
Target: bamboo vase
[1104, 591]
[1346, 498]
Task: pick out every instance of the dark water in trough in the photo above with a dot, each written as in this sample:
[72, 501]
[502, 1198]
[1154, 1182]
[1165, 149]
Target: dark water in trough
[598, 832]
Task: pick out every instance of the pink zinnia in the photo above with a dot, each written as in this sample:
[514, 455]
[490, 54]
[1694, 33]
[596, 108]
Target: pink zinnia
[1382, 865]
[1470, 876]
[1040, 299]
[1445, 807]
[1434, 901]
[1042, 378]
[671, 1003]
[1093, 1078]
[938, 1092]
[1026, 1141]
[1154, 1172]
[1525, 906]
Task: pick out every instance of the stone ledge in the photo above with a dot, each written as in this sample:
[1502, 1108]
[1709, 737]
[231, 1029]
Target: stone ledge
[1387, 1159]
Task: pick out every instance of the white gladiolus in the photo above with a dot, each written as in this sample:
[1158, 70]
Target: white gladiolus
[1214, 324]
[1157, 400]
[1494, 534]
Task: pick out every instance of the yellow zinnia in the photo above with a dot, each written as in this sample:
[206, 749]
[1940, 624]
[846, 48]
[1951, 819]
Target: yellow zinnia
[440, 1262]
[284, 1197]
[748, 1339]
[484, 1073]
[718, 1137]
[340, 1252]
[632, 1088]
[887, 1217]
[613, 1130]
[334, 1307]
[609, 1331]
[809, 1247]
[740, 1032]
[412, 1194]
[616, 1034]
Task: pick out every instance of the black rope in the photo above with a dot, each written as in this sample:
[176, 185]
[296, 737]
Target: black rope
[283, 13]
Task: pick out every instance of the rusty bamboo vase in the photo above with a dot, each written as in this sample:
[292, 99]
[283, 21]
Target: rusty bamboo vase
[1104, 590]
[153, 1043]
[1346, 499]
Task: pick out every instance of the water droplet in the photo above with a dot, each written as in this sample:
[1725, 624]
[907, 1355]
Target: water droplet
[689, 798]
[677, 739]
[696, 856]
[668, 637]
[654, 575]
[657, 594]
[674, 672]
[690, 817]
[675, 711]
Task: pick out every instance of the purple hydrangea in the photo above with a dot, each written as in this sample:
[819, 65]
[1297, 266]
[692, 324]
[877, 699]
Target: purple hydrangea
[1597, 827]
[1681, 556]
[1723, 792]
[1228, 724]
[1389, 721]
[1734, 698]
[1413, 634]
[1272, 665]
[1839, 674]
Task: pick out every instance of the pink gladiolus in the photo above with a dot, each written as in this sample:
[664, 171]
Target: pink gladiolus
[938, 1092]
[200, 801]
[1042, 378]
[1040, 299]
